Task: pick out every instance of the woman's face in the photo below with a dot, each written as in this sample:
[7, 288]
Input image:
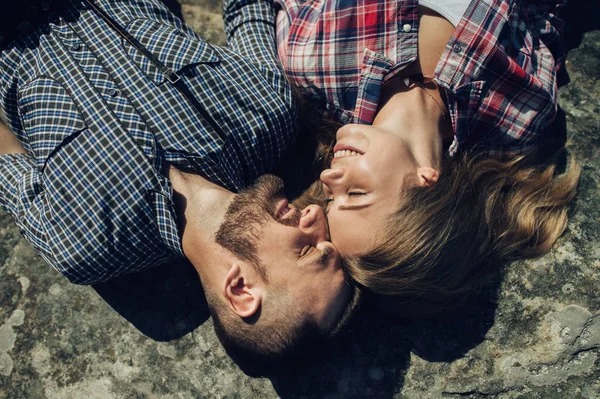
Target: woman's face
[363, 185]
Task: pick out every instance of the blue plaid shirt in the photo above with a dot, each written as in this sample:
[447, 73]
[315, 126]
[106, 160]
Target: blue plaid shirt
[99, 121]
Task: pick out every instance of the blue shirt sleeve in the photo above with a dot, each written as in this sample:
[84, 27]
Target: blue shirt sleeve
[250, 29]
[21, 195]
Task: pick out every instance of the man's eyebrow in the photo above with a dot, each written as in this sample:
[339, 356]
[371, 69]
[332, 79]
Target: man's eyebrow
[353, 207]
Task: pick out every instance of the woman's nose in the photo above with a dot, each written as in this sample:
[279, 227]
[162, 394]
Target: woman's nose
[331, 176]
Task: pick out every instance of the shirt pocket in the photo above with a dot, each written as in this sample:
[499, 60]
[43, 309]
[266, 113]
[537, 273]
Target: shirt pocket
[49, 117]
[172, 47]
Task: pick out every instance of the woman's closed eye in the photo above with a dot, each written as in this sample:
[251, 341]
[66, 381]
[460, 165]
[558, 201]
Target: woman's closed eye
[350, 194]
[355, 194]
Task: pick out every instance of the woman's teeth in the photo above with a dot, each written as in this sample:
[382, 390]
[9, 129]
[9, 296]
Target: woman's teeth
[345, 153]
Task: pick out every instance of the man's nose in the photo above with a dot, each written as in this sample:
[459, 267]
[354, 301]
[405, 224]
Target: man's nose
[332, 177]
[312, 222]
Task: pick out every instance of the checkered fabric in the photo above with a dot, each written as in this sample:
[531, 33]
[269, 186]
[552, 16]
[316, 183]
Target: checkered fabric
[99, 121]
[498, 69]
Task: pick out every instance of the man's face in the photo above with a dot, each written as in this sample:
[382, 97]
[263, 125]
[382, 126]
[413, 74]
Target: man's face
[289, 248]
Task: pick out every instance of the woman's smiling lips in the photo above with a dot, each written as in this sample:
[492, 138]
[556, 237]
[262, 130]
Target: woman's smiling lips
[342, 150]
[345, 153]
[345, 147]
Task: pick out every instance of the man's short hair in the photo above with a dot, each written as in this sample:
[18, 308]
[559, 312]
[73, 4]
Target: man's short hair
[278, 330]
[276, 333]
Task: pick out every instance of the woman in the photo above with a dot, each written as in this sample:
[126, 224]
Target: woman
[442, 168]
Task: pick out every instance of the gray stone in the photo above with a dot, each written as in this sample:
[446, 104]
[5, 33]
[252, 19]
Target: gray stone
[568, 288]
[24, 281]
[538, 337]
[6, 364]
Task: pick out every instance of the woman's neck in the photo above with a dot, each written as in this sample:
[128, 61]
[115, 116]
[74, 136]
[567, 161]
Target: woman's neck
[416, 114]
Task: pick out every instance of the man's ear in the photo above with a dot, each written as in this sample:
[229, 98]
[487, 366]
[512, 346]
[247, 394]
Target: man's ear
[241, 292]
[427, 176]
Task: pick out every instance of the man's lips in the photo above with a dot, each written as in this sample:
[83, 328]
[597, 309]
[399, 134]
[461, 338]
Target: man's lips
[283, 210]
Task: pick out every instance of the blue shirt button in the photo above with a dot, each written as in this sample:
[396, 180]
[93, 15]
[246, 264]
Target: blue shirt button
[113, 93]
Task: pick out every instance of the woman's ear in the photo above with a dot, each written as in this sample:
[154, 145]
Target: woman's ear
[427, 176]
[243, 296]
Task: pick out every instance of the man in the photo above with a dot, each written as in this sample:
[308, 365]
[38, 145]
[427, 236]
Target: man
[131, 135]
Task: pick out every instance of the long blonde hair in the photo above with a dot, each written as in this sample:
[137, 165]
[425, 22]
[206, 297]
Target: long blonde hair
[446, 240]
[449, 238]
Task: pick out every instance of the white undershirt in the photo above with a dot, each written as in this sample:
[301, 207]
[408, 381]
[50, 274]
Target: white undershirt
[452, 10]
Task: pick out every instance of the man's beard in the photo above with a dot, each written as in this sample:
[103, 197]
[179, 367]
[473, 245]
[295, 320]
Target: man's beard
[249, 212]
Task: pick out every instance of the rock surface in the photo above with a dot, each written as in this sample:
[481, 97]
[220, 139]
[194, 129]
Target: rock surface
[148, 336]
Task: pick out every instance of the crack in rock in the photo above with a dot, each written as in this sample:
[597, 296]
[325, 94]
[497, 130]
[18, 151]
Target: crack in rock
[477, 393]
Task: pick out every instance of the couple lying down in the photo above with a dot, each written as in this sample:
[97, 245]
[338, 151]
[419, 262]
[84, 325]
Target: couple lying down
[131, 142]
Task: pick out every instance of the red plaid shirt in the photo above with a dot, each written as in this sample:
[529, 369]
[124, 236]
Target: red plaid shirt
[498, 69]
